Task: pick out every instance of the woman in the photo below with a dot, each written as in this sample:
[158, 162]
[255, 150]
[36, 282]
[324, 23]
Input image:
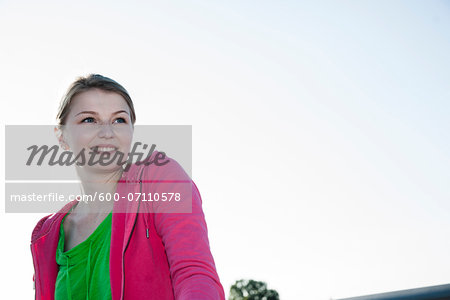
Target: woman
[125, 249]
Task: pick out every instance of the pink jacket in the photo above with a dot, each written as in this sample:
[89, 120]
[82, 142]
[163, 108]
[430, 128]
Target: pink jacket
[153, 255]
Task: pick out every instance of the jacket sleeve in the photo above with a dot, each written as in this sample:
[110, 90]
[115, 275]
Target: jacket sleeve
[185, 238]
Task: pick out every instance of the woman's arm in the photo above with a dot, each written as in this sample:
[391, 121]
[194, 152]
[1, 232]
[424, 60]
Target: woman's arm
[185, 237]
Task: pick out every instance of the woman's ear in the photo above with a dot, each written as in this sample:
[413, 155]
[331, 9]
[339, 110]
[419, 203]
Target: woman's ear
[59, 135]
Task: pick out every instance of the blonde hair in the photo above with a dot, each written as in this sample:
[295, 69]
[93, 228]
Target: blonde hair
[83, 84]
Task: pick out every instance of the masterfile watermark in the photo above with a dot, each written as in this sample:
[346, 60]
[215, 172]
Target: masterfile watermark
[154, 162]
[68, 158]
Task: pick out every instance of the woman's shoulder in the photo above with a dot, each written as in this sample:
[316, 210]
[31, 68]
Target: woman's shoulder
[156, 167]
[46, 223]
[163, 167]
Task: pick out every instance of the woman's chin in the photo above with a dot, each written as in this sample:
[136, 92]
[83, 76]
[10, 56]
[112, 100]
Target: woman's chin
[110, 168]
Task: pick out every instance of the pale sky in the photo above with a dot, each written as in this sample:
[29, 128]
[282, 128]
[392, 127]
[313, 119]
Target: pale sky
[320, 129]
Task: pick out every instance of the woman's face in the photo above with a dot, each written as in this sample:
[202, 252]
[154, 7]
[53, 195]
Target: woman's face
[99, 119]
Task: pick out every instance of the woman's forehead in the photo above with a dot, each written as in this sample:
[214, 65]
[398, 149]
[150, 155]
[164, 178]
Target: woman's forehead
[99, 101]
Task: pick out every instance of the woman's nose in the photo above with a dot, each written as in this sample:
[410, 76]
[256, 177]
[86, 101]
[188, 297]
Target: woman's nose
[105, 131]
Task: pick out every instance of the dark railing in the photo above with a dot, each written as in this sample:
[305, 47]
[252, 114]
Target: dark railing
[437, 292]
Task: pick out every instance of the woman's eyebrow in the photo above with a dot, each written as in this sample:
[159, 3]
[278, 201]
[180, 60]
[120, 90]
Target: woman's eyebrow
[95, 113]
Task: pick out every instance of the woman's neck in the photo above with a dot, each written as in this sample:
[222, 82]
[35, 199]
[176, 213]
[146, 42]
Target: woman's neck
[98, 190]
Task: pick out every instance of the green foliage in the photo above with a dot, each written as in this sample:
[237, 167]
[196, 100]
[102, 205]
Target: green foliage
[251, 290]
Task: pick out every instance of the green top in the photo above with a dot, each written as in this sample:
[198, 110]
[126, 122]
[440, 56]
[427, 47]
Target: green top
[84, 269]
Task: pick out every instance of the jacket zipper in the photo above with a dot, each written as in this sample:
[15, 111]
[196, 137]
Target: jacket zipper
[128, 241]
[123, 263]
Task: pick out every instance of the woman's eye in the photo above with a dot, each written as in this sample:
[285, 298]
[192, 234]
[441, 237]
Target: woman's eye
[121, 120]
[88, 120]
